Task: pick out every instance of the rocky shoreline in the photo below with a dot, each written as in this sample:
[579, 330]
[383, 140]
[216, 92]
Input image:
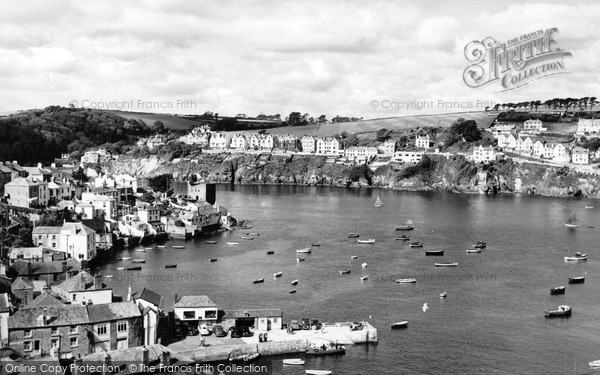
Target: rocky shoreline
[433, 173]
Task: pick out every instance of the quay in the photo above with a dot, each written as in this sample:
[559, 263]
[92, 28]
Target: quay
[279, 342]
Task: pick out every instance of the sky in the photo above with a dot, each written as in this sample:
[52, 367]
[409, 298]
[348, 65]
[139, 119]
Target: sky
[372, 59]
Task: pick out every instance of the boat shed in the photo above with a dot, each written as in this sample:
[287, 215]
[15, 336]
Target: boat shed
[260, 319]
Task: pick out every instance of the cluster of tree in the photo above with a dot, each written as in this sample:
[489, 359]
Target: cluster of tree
[161, 182]
[42, 135]
[555, 104]
[462, 130]
[591, 144]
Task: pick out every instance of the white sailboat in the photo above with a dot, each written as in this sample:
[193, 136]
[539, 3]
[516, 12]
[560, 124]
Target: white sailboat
[572, 221]
[378, 202]
[353, 234]
[405, 225]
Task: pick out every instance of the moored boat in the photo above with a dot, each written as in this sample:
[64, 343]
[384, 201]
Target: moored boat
[572, 221]
[595, 364]
[410, 280]
[363, 278]
[588, 207]
[557, 290]
[563, 311]
[270, 252]
[148, 248]
[178, 247]
[446, 264]
[141, 250]
[292, 291]
[306, 250]
[232, 243]
[160, 246]
[434, 252]
[170, 266]
[378, 202]
[212, 260]
[247, 238]
[477, 250]
[405, 227]
[109, 276]
[315, 244]
[577, 280]
[257, 281]
[353, 257]
[479, 245]
[278, 274]
[293, 361]
[402, 238]
[444, 295]
[120, 268]
[399, 325]
[138, 261]
[331, 350]
[211, 242]
[344, 272]
[134, 268]
[416, 244]
[125, 258]
[300, 259]
[294, 282]
[577, 257]
[317, 372]
[353, 234]
[369, 241]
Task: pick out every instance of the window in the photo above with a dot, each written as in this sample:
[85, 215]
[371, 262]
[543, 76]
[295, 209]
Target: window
[27, 333]
[36, 346]
[54, 236]
[74, 297]
[210, 314]
[121, 326]
[74, 342]
[27, 346]
[101, 329]
[54, 343]
[54, 331]
[73, 330]
[189, 314]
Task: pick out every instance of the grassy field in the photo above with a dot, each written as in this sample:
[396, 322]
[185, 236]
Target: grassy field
[171, 121]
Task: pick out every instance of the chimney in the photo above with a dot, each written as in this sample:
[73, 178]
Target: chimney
[97, 281]
[176, 298]
[53, 165]
[165, 358]
[45, 316]
[39, 165]
[145, 356]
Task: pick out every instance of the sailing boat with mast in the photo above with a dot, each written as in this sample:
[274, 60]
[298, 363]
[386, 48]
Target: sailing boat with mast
[572, 221]
[378, 202]
[406, 225]
[353, 234]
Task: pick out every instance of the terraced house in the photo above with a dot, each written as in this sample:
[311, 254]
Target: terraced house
[65, 331]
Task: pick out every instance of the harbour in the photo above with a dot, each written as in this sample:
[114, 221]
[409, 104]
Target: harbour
[491, 318]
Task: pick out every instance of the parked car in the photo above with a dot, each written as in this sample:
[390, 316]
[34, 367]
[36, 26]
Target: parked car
[219, 331]
[193, 330]
[246, 332]
[295, 326]
[316, 324]
[179, 332]
[305, 324]
[235, 332]
[204, 331]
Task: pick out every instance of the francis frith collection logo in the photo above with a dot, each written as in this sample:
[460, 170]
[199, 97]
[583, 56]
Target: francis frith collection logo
[514, 63]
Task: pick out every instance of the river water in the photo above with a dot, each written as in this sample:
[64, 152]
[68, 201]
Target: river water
[492, 321]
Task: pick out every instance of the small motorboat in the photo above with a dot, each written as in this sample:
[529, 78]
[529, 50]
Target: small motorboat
[557, 290]
[405, 227]
[293, 361]
[232, 243]
[138, 261]
[257, 281]
[170, 266]
[353, 257]
[270, 252]
[576, 258]
[399, 325]
[247, 238]
[364, 266]
[473, 251]
[446, 264]
[590, 226]
[363, 278]
[295, 282]
[366, 242]
[353, 235]
[327, 350]
[109, 276]
[317, 372]
[315, 244]
[134, 268]
[278, 274]
[416, 244]
[212, 260]
[120, 268]
[141, 250]
[178, 247]
[444, 295]
[292, 291]
[211, 242]
[306, 250]
[588, 207]
[344, 272]
[438, 253]
[577, 280]
[409, 280]
[563, 311]
[161, 246]
[479, 245]
[148, 248]
[402, 238]
[125, 258]
[252, 234]
[300, 259]
[595, 364]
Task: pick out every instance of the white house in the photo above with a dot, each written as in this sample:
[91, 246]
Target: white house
[534, 126]
[102, 204]
[507, 141]
[580, 155]
[84, 289]
[590, 126]
[219, 140]
[198, 309]
[360, 154]
[560, 153]
[149, 214]
[388, 147]
[538, 148]
[403, 156]
[126, 181]
[484, 154]
[5, 307]
[239, 141]
[524, 144]
[151, 306]
[501, 129]
[309, 144]
[74, 239]
[549, 150]
[96, 156]
[329, 146]
[422, 141]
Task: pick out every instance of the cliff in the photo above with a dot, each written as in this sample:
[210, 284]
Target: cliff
[455, 174]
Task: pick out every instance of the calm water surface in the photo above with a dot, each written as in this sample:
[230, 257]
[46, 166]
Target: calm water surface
[492, 321]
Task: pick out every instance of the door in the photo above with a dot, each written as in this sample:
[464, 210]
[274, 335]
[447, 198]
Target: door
[268, 324]
[122, 344]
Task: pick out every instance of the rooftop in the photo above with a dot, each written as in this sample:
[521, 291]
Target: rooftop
[194, 301]
[112, 311]
[150, 296]
[252, 313]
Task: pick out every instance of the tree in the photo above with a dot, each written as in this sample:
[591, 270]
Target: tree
[295, 119]
[79, 175]
[383, 134]
[463, 129]
[159, 127]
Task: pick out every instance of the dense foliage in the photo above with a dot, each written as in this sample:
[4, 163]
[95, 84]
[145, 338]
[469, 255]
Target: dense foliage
[42, 135]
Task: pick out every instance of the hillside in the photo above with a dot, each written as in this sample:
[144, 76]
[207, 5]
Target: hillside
[171, 121]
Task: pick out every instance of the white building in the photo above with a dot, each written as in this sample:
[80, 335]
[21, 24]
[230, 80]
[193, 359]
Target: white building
[219, 140]
[534, 126]
[239, 141]
[96, 156]
[501, 129]
[560, 152]
[84, 289]
[589, 126]
[422, 141]
[329, 146]
[74, 239]
[360, 154]
[483, 154]
[126, 181]
[524, 145]
[388, 147]
[309, 144]
[101, 203]
[149, 214]
[505, 141]
[403, 156]
[538, 148]
[580, 155]
[151, 306]
[198, 136]
[198, 309]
